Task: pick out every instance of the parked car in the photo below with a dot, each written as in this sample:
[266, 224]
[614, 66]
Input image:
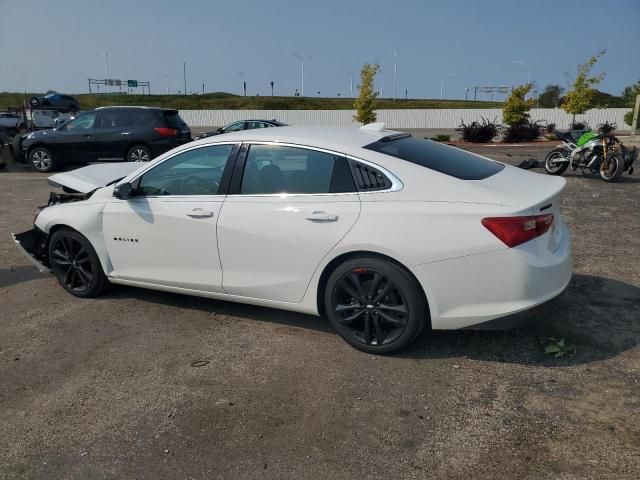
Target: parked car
[5, 146]
[56, 100]
[106, 134]
[242, 125]
[384, 233]
[11, 121]
[48, 118]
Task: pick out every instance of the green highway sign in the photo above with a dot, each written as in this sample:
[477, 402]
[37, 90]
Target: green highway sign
[132, 83]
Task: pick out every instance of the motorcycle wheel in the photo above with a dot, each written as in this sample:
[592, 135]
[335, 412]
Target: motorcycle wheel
[553, 168]
[614, 170]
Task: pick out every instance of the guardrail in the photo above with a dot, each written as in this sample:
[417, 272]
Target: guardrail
[409, 118]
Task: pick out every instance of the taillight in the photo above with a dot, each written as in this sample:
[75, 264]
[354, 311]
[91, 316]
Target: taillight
[166, 132]
[513, 231]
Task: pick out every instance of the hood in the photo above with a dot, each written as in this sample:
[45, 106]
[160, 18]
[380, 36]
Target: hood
[87, 179]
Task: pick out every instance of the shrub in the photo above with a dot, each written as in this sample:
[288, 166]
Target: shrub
[524, 132]
[607, 127]
[479, 132]
[365, 103]
[579, 126]
[628, 119]
[441, 138]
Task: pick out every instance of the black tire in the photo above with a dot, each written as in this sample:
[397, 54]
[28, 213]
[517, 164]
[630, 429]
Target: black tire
[375, 305]
[75, 264]
[614, 172]
[556, 168]
[41, 159]
[16, 148]
[139, 153]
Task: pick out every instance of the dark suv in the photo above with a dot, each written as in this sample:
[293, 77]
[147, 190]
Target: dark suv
[106, 134]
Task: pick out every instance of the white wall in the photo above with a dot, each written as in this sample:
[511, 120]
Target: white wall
[409, 118]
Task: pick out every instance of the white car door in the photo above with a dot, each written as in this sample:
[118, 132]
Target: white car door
[165, 233]
[291, 207]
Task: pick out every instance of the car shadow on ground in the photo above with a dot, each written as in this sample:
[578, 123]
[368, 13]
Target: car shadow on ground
[599, 317]
[23, 273]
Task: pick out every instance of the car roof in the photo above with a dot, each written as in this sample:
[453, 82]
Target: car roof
[333, 138]
[136, 107]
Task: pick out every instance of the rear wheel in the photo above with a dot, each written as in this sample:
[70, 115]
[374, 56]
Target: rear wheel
[611, 171]
[375, 305]
[552, 165]
[41, 159]
[75, 264]
[139, 153]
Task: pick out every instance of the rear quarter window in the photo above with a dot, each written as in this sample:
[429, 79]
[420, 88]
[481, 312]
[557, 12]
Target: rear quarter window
[451, 161]
[174, 120]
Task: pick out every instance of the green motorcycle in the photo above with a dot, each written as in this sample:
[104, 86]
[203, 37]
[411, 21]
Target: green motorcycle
[601, 153]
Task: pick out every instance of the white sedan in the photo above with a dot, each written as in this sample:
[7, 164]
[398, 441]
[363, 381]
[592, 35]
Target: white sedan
[383, 233]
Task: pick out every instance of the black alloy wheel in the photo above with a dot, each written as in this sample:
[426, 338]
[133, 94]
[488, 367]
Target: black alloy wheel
[75, 264]
[375, 305]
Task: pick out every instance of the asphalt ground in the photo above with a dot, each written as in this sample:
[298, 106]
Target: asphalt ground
[110, 387]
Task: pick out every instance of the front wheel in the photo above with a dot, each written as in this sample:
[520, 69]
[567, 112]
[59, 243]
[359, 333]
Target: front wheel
[554, 164]
[138, 153]
[41, 159]
[375, 305]
[611, 171]
[75, 264]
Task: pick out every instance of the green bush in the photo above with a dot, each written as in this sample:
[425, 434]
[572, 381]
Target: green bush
[628, 119]
[441, 138]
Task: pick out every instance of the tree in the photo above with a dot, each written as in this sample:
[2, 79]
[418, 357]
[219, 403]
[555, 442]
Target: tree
[579, 98]
[629, 94]
[550, 97]
[365, 102]
[515, 111]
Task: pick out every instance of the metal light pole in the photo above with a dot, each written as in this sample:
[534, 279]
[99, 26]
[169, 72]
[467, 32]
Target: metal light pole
[350, 80]
[395, 73]
[530, 67]
[442, 84]
[299, 57]
[166, 79]
[105, 54]
[184, 75]
[381, 82]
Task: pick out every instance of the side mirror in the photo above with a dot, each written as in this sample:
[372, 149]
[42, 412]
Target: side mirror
[220, 130]
[123, 191]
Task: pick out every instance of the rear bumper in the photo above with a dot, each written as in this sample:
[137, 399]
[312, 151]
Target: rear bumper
[468, 291]
[33, 245]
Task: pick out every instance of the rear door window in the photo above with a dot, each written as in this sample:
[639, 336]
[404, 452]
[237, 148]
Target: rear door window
[273, 169]
[115, 119]
[451, 161]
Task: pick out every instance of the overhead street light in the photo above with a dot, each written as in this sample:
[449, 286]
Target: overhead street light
[442, 84]
[302, 59]
[350, 80]
[526, 65]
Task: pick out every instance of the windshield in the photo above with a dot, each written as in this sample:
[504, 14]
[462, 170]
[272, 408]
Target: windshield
[451, 161]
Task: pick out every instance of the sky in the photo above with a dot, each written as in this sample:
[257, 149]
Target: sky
[57, 45]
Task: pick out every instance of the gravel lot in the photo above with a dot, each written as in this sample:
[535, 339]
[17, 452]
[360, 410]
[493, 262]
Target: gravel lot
[107, 388]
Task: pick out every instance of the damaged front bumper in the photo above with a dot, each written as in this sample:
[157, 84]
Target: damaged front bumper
[33, 244]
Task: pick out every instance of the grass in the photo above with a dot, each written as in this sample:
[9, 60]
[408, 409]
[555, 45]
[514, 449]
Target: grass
[227, 101]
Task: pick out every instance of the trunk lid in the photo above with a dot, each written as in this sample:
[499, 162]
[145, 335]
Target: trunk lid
[87, 179]
[534, 193]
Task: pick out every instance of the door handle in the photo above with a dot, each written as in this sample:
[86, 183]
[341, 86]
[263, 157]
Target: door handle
[200, 213]
[322, 217]
[87, 136]
[125, 133]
